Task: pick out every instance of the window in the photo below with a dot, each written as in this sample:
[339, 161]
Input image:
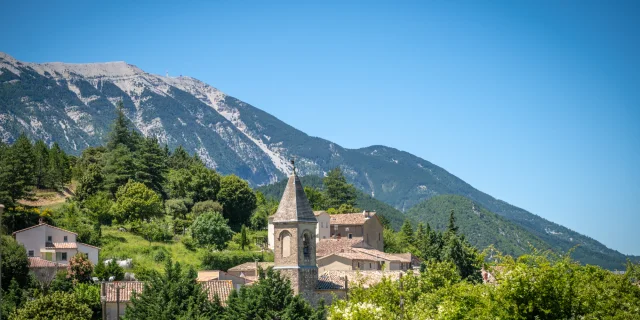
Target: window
[48, 238]
[346, 229]
[61, 256]
[350, 235]
[64, 256]
[306, 243]
[30, 253]
[358, 265]
[369, 265]
[65, 239]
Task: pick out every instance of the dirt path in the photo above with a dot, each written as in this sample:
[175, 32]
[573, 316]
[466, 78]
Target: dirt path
[48, 197]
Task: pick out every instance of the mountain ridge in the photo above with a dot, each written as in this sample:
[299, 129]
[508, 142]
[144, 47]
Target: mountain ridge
[73, 104]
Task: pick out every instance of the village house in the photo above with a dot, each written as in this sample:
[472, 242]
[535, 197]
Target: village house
[49, 249]
[116, 296]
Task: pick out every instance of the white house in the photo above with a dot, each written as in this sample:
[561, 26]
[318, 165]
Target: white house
[53, 244]
[322, 229]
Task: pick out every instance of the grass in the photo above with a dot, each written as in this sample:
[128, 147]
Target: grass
[145, 254]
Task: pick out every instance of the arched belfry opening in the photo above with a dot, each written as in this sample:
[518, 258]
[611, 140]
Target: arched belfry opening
[285, 240]
[306, 245]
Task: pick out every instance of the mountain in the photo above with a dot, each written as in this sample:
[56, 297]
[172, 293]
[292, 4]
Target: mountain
[480, 226]
[73, 104]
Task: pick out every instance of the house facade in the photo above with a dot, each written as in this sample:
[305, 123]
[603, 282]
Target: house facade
[322, 229]
[53, 244]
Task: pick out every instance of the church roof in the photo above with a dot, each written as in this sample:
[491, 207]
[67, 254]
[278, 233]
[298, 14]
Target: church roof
[294, 205]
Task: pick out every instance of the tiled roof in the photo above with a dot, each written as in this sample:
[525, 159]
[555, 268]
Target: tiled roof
[222, 288]
[350, 219]
[88, 245]
[250, 266]
[317, 213]
[352, 256]
[329, 246]
[383, 255]
[126, 291]
[207, 275]
[35, 262]
[43, 224]
[334, 280]
[408, 257]
[294, 205]
[61, 245]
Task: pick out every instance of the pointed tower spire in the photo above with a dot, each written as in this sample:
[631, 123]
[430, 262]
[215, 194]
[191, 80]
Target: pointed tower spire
[294, 205]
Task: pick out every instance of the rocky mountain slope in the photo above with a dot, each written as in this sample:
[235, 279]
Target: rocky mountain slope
[73, 104]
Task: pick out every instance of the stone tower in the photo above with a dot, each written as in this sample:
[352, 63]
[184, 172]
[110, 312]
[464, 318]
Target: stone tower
[294, 227]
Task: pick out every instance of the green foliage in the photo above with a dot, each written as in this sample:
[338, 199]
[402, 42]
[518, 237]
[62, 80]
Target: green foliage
[118, 169]
[135, 201]
[56, 305]
[244, 240]
[316, 198]
[271, 297]
[265, 208]
[99, 206]
[89, 295]
[237, 199]
[104, 271]
[211, 230]
[80, 268]
[61, 282]
[224, 260]
[175, 294]
[206, 206]
[156, 230]
[196, 182]
[337, 190]
[12, 298]
[15, 264]
[151, 164]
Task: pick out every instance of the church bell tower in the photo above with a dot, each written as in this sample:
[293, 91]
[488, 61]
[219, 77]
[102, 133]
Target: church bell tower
[294, 227]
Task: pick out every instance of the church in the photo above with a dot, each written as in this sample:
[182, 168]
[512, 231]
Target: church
[294, 228]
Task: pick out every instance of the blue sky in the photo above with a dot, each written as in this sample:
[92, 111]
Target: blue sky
[534, 102]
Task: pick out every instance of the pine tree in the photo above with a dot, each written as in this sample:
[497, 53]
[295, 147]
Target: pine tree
[120, 134]
[41, 162]
[406, 233]
[338, 191]
[421, 235]
[180, 159]
[119, 167]
[244, 240]
[151, 165]
[21, 168]
[59, 172]
[452, 223]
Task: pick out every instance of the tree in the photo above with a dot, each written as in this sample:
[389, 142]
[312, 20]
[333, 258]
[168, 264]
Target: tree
[421, 235]
[80, 268]
[135, 202]
[237, 199]
[452, 223]
[120, 134]
[119, 167]
[197, 182]
[172, 295]
[206, 206]
[406, 233]
[180, 159]
[104, 271]
[265, 207]
[59, 171]
[211, 229]
[56, 305]
[89, 295]
[316, 198]
[99, 208]
[91, 182]
[271, 297]
[244, 240]
[151, 165]
[15, 264]
[338, 191]
[41, 162]
[20, 166]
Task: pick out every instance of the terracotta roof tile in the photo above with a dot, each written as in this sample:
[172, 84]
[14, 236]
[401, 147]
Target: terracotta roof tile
[88, 245]
[334, 280]
[383, 255]
[350, 219]
[61, 245]
[222, 288]
[326, 247]
[43, 224]
[35, 262]
[352, 256]
[250, 266]
[126, 291]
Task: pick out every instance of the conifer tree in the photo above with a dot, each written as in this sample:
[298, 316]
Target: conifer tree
[244, 240]
[338, 191]
[120, 134]
[59, 172]
[41, 163]
[452, 223]
[119, 167]
[151, 165]
[406, 233]
[180, 159]
[20, 163]
[421, 235]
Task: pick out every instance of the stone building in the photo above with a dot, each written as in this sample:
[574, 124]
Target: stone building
[294, 226]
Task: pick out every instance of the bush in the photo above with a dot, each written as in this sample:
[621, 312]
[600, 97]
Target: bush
[225, 260]
[57, 305]
[211, 230]
[189, 243]
[206, 206]
[104, 272]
